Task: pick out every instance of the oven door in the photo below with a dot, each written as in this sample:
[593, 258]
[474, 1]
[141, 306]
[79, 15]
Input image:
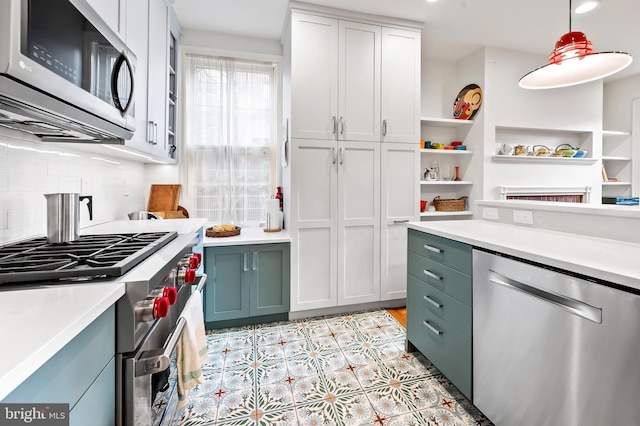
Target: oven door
[136, 390]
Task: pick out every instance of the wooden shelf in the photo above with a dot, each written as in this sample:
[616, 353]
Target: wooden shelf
[445, 122]
[442, 214]
[547, 160]
[447, 151]
[445, 182]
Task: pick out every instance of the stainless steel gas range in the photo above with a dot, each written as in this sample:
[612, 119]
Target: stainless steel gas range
[158, 270]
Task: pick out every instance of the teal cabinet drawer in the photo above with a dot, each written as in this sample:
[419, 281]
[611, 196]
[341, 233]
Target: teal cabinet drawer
[97, 407]
[443, 278]
[440, 304]
[443, 345]
[451, 253]
[69, 373]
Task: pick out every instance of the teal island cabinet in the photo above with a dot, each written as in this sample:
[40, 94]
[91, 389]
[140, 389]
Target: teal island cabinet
[246, 283]
[439, 305]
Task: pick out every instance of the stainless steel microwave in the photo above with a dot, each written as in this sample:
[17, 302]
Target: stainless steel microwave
[64, 74]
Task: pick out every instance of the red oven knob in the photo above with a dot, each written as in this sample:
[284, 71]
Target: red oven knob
[190, 276]
[194, 262]
[160, 307]
[199, 257]
[171, 293]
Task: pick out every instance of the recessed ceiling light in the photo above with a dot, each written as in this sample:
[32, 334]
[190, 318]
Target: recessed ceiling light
[431, 1]
[587, 6]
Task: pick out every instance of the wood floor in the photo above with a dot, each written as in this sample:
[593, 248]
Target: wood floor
[399, 314]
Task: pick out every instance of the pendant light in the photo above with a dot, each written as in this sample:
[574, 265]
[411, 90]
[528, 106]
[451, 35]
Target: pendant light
[573, 61]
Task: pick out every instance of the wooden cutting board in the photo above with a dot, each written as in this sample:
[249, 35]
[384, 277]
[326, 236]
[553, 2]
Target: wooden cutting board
[163, 198]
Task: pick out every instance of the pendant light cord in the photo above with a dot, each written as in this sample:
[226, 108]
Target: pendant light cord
[569, 15]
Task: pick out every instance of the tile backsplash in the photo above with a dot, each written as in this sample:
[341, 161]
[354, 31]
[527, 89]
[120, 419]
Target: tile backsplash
[30, 168]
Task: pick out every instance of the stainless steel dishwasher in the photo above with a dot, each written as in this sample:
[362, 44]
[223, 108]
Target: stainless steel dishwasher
[553, 349]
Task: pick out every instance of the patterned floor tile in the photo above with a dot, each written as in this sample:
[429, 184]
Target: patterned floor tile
[349, 369]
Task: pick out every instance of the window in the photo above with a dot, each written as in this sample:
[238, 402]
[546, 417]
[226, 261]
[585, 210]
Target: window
[230, 125]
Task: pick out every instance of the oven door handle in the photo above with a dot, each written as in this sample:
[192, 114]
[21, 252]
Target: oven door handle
[157, 360]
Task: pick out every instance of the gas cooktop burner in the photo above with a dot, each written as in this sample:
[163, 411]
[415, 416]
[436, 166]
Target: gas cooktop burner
[110, 255]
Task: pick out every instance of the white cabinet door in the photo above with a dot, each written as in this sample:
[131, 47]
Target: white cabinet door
[359, 82]
[314, 77]
[400, 85]
[157, 75]
[313, 224]
[358, 222]
[113, 13]
[137, 40]
[400, 189]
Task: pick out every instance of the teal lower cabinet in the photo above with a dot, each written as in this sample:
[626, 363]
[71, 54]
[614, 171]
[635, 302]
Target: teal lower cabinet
[439, 305]
[246, 284]
[82, 374]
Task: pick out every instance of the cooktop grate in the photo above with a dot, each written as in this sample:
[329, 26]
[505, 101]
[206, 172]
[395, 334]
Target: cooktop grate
[110, 255]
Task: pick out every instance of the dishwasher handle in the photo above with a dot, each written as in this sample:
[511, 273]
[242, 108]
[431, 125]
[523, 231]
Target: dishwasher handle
[157, 360]
[572, 306]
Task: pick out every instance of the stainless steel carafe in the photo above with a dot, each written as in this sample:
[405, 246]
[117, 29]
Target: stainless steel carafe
[63, 216]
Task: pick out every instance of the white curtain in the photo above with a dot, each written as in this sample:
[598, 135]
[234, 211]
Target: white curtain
[230, 125]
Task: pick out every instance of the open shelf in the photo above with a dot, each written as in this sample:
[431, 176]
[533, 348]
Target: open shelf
[447, 151]
[616, 183]
[611, 158]
[445, 122]
[445, 182]
[442, 214]
[547, 160]
[615, 133]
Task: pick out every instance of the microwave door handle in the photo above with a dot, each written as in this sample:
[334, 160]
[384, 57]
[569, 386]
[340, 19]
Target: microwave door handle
[117, 68]
[157, 360]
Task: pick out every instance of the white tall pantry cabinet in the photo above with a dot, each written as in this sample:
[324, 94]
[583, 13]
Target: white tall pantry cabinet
[352, 99]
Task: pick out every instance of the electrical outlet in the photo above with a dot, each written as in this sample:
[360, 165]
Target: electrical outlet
[489, 213]
[523, 216]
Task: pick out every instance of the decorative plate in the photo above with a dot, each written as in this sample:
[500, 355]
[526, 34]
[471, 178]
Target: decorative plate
[467, 102]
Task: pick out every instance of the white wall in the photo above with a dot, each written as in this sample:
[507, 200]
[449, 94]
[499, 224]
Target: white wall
[29, 169]
[577, 108]
[618, 95]
[231, 43]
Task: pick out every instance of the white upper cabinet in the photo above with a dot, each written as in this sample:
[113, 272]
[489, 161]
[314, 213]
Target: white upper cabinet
[114, 13]
[359, 82]
[400, 85]
[353, 81]
[314, 77]
[157, 75]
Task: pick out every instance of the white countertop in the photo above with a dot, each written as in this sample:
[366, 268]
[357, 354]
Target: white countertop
[605, 259]
[181, 226]
[37, 323]
[248, 236]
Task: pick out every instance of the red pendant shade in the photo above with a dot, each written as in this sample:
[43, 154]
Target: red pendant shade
[571, 45]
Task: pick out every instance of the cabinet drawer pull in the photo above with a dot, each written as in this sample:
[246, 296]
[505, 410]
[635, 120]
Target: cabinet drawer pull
[400, 221]
[432, 275]
[245, 261]
[432, 328]
[432, 248]
[433, 302]
[254, 261]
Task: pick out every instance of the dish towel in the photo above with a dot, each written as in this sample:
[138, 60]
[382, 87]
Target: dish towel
[192, 348]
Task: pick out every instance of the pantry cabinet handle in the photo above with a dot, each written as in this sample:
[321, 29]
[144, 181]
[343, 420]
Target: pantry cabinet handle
[401, 221]
[334, 155]
[432, 248]
[432, 328]
[254, 261]
[341, 155]
[245, 262]
[432, 275]
[384, 127]
[342, 125]
[335, 124]
[433, 302]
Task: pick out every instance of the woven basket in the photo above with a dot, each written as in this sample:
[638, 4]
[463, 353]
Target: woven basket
[211, 233]
[449, 205]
